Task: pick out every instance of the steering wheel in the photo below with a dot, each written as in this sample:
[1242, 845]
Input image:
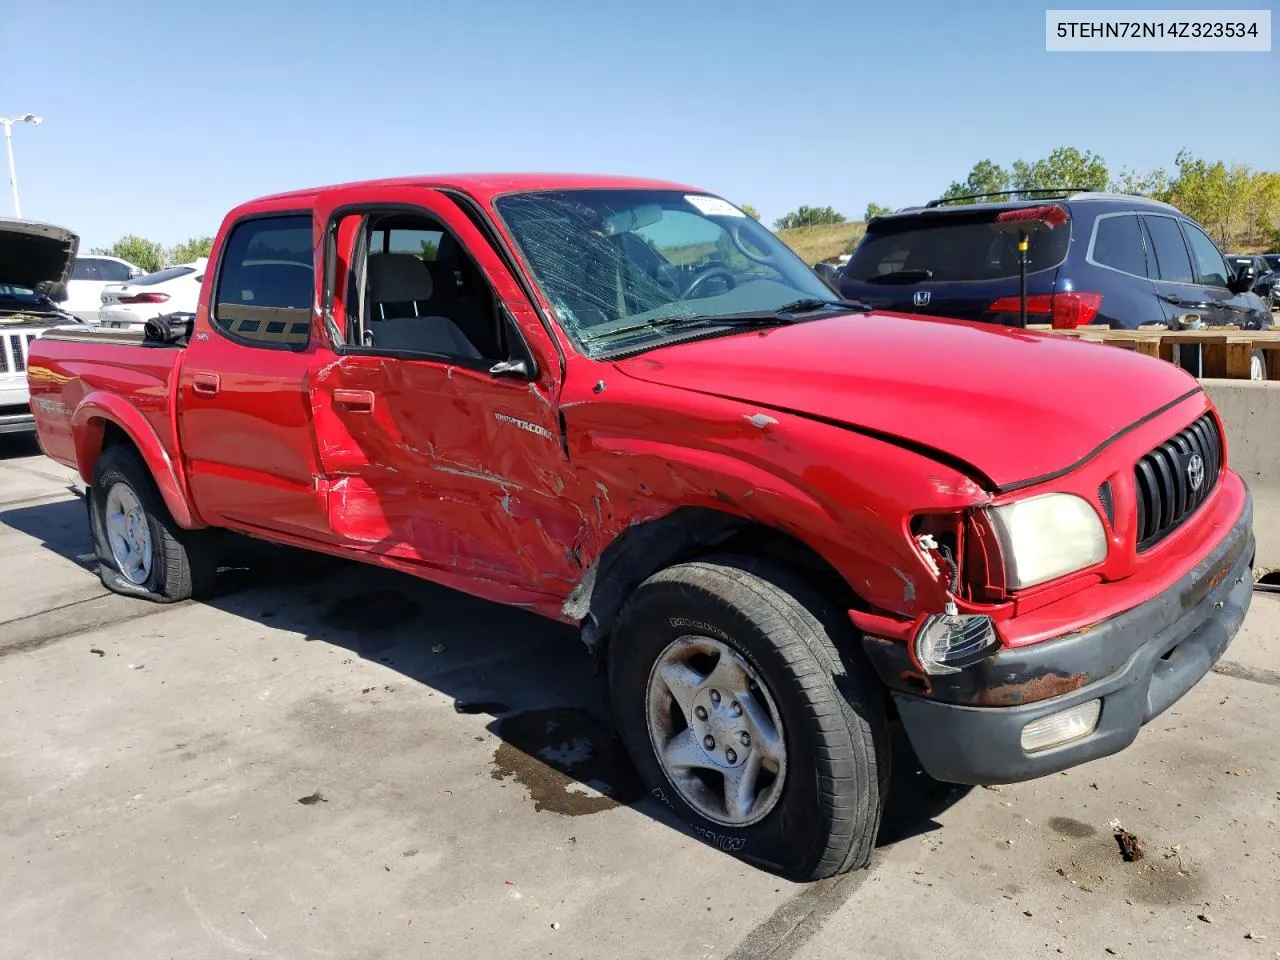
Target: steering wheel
[700, 279]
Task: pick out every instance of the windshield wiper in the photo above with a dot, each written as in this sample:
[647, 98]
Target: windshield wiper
[901, 276]
[779, 316]
[699, 320]
[810, 304]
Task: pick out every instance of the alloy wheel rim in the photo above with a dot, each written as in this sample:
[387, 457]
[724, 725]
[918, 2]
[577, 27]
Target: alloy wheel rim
[716, 731]
[128, 533]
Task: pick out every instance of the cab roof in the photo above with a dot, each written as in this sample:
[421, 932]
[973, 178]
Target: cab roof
[484, 187]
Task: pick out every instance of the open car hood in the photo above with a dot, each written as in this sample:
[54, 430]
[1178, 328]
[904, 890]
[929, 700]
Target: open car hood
[37, 256]
[1011, 404]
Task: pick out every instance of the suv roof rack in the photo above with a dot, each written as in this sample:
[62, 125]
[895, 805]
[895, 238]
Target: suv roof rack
[1065, 191]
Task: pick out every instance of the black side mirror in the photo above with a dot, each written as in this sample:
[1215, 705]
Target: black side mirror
[1246, 276]
[516, 369]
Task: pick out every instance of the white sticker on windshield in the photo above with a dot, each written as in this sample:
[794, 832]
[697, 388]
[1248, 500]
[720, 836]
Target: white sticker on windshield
[714, 206]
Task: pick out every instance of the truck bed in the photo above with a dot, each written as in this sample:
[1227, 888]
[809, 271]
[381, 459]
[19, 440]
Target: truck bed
[70, 366]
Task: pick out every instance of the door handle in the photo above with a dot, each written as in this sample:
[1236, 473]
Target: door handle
[206, 384]
[357, 401]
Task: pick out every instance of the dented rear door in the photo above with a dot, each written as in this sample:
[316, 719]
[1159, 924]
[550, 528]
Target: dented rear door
[437, 460]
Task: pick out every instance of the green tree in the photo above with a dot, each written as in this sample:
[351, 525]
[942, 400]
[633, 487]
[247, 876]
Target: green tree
[1153, 183]
[808, 217]
[985, 177]
[1064, 168]
[751, 211]
[876, 210]
[140, 251]
[190, 250]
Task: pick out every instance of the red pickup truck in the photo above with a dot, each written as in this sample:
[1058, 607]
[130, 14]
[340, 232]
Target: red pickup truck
[781, 520]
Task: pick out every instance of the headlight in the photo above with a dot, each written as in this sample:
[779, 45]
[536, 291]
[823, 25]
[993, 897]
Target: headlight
[1046, 537]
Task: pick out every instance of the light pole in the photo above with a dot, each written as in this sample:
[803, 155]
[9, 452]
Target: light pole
[8, 142]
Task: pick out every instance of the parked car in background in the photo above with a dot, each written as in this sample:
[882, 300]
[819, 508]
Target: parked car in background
[89, 275]
[35, 263]
[1096, 258]
[1264, 285]
[171, 290]
[1273, 261]
[779, 520]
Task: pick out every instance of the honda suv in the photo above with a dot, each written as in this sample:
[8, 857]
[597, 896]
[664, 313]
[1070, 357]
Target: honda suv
[1093, 258]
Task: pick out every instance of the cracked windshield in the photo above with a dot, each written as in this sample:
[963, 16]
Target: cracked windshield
[626, 265]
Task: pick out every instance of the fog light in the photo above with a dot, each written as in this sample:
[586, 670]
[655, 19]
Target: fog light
[951, 641]
[1063, 727]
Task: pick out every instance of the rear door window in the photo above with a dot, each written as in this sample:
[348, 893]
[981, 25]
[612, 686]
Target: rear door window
[266, 282]
[1172, 261]
[951, 247]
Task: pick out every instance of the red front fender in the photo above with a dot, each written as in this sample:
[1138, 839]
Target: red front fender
[88, 424]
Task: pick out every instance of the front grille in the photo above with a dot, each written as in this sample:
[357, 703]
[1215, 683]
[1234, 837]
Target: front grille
[1176, 477]
[13, 352]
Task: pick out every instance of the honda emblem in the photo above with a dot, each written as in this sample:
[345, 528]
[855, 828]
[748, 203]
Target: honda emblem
[921, 298]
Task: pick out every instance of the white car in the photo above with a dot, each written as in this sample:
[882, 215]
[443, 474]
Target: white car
[88, 278]
[35, 261]
[127, 306]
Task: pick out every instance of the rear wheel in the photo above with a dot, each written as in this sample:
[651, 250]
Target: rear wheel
[746, 719]
[141, 550]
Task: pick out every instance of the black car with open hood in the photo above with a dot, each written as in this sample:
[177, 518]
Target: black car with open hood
[36, 260]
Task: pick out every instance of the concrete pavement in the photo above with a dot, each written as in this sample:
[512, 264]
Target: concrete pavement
[333, 761]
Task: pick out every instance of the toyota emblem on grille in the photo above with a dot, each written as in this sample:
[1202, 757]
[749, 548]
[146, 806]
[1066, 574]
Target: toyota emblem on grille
[921, 298]
[1195, 471]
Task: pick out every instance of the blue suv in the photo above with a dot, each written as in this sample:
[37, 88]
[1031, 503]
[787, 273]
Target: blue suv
[1089, 258]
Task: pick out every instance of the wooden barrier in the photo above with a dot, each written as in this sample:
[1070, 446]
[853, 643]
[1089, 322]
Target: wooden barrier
[1226, 351]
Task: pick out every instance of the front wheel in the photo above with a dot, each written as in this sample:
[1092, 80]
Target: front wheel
[744, 716]
[141, 550]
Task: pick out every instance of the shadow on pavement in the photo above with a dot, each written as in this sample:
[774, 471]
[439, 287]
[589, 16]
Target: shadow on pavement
[530, 675]
[14, 446]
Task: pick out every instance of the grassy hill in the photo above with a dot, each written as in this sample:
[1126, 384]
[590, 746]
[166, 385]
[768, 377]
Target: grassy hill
[815, 244]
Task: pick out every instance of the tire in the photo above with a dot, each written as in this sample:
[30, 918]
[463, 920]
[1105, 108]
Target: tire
[816, 812]
[170, 563]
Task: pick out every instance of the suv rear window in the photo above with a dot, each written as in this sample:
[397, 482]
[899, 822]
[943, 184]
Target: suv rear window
[953, 247]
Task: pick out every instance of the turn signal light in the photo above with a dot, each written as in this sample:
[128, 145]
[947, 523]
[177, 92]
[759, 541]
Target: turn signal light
[952, 641]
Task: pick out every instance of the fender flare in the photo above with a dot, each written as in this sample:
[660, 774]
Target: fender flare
[88, 424]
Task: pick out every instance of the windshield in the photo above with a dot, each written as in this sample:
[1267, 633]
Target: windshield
[22, 294]
[611, 261]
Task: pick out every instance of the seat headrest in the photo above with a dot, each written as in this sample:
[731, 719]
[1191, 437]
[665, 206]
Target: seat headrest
[399, 278]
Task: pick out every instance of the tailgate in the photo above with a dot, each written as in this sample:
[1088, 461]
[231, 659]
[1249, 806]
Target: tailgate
[960, 300]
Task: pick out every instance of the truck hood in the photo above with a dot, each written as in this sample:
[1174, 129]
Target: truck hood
[1010, 405]
[35, 254]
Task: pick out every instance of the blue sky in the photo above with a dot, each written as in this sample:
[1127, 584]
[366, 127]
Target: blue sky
[160, 116]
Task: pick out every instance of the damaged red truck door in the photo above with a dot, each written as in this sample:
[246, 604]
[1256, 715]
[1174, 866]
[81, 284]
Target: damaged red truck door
[781, 521]
[246, 429]
[429, 453]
